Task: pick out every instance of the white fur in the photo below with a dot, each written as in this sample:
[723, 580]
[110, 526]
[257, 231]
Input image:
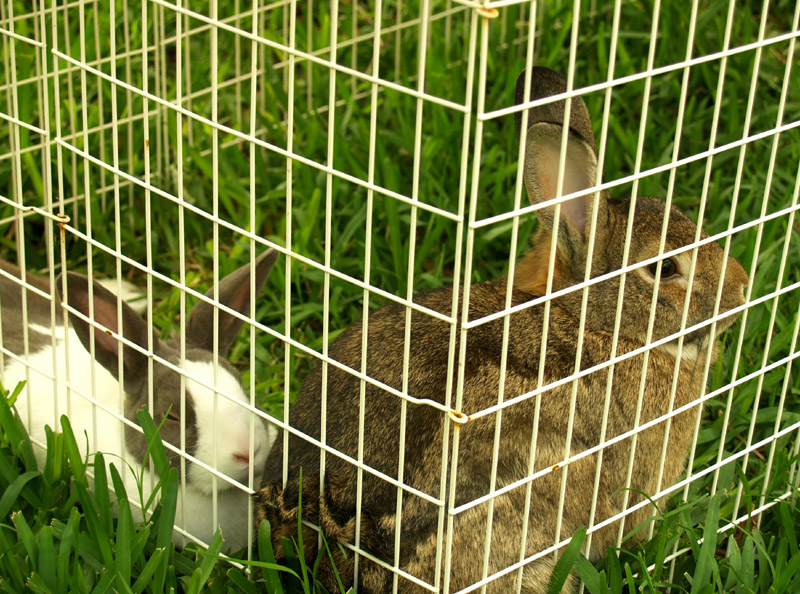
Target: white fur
[688, 353]
[36, 408]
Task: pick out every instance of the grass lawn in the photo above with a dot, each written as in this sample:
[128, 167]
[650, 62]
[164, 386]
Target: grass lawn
[56, 535]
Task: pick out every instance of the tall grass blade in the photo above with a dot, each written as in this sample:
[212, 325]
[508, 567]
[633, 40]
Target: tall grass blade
[566, 561]
[267, 555]
[210, 557]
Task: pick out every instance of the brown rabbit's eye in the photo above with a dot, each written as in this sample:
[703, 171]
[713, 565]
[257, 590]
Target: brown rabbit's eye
[668, 268]
[173, 416]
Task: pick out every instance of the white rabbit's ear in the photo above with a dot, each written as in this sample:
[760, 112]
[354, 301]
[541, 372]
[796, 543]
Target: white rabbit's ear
[106, 346]
[542, 156]
[234, 292]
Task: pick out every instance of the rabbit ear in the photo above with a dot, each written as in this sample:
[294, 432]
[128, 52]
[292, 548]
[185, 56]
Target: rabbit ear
[106, 346]
[542, 155]
[543, 152]
[234, 292]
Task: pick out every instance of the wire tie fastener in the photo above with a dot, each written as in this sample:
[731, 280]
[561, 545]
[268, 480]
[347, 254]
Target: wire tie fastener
[487, 13]
[459, 417]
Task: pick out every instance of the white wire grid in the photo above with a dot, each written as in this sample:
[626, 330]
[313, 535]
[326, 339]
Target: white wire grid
[54, 58]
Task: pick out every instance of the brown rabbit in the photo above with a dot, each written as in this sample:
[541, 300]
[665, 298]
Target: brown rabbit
[334, 509]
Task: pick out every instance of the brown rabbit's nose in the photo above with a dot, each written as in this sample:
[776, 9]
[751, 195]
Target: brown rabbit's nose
[736, 278]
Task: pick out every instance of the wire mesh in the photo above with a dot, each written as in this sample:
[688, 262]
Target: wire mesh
[373, 145]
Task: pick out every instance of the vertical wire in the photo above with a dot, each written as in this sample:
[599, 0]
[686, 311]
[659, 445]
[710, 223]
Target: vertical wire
[328, 238]
[237, 66]
[701, 211]
[765, 201]
[784, 257]
[551, 258]
[512, 258]
[286, 35]
[87, 201]
[455, 331]
[162, 142]
[253, 285]
[129, 95]
[60, 180]
[158, 84]
[287, 313]
[626, 254]
[354, 47]
[117, 222]
[100, 110]
[147, 216]
[726, 251]
[518, 185]
[188, 81]
[565, 133]
[474, 191]
[72, 125]
[16, 181]
[662, 243]
[706, 182]
[756, 249]
[179, 81]
[398, 40]
[214, 14]
[373, 132]
[422, 52]
[6, 40]
[262, 23]
[703, 197]
[44, 115]
[448, 23]
[601, 157]
[309, 65]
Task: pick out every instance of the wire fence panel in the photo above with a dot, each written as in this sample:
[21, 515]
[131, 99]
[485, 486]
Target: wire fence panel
[536, 271]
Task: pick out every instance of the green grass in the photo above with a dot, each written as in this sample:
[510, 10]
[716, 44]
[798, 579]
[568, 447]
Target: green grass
[760, 551]
[58, 532]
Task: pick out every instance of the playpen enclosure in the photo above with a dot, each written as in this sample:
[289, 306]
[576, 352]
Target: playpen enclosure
[373, 144]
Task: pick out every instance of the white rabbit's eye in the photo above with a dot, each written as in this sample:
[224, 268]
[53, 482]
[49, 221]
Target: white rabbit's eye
[668, 268]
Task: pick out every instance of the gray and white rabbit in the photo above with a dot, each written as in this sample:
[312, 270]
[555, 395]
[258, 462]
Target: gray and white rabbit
[334, 507]
[217, 429]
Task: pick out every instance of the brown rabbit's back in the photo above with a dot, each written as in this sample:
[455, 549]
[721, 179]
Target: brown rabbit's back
[427, 378]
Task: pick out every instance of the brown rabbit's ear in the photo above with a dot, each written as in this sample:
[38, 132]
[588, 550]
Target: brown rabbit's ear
[544, 83]
[542, 154]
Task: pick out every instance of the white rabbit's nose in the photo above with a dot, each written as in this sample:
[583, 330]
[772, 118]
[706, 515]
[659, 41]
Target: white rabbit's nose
[244, 456]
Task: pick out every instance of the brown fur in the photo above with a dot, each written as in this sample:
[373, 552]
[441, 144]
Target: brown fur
[334, 506]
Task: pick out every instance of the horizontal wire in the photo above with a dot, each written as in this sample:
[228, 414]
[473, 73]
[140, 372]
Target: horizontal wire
[258, 142]
[22, 38]
[631, 267]
[249, 235]
[733, 524]
[623, 436]
[32, 209]
[257, 325]
[315, 59]
[637, 176]
[635, 352]
[630, 510]
[682, 65]
[18, 122]
[378, 561]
